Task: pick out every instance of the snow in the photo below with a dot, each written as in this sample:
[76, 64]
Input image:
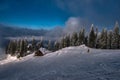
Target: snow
[71, 63]
[44, 50]
[8, 59]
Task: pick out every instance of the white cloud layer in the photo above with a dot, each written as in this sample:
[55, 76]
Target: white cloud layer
[74, 24]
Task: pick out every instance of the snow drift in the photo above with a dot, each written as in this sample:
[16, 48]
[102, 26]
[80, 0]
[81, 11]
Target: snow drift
[8, 59]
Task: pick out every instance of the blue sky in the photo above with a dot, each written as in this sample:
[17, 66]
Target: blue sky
[51, 13]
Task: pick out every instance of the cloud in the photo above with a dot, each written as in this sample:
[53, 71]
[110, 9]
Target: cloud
[76, 7]
[55, 32]
[98, 11]
[74, 24]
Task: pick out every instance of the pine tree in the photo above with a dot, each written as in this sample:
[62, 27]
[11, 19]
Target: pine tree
[74, 39]
[115, 42]
[96, 41]
[67, 41]
[18, 46]
[25, 44]
[49, 45]
[62, 43]
[56, 45]
[86, 41]
[15, 46]
[22, 47]
[103, 39]
[81, 38]
[33, 44]
[110, 39]
[92, 37]
[71, 43]
[11, 48]
[8, 51]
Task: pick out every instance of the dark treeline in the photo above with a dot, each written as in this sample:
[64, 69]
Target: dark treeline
[106, 39]
[22, 47]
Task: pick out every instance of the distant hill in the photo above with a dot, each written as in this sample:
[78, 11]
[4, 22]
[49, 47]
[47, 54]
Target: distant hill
[7, 31]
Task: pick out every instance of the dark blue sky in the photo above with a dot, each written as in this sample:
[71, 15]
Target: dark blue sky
[52, 13]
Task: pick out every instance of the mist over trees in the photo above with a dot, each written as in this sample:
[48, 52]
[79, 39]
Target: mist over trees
[106, 39]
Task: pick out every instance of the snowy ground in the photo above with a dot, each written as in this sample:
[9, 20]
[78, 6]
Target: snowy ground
[72, 63]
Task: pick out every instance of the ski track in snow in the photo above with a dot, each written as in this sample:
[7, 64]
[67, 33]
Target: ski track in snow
[72, 63]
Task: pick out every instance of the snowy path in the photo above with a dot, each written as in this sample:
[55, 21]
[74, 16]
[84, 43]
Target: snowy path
[72, 63]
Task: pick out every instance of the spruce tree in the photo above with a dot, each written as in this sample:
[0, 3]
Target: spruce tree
[25, 45]
[92, 37]
[9, 47]
[115, 42]
[33, 44]
[110, 39]
[81, 37]
[18, 46]
[67, 41]
[98, 44]
[62, 43]
[49, 45]
[22, 47]
[86, 40]
[96, 40]
[103, 39]
[56, 45]
[74, 39]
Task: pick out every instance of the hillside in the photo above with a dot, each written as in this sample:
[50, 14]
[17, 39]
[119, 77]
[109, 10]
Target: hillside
[71, 63]
[8, 31]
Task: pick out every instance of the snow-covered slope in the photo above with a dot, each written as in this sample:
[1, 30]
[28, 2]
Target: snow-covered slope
[72, 63]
